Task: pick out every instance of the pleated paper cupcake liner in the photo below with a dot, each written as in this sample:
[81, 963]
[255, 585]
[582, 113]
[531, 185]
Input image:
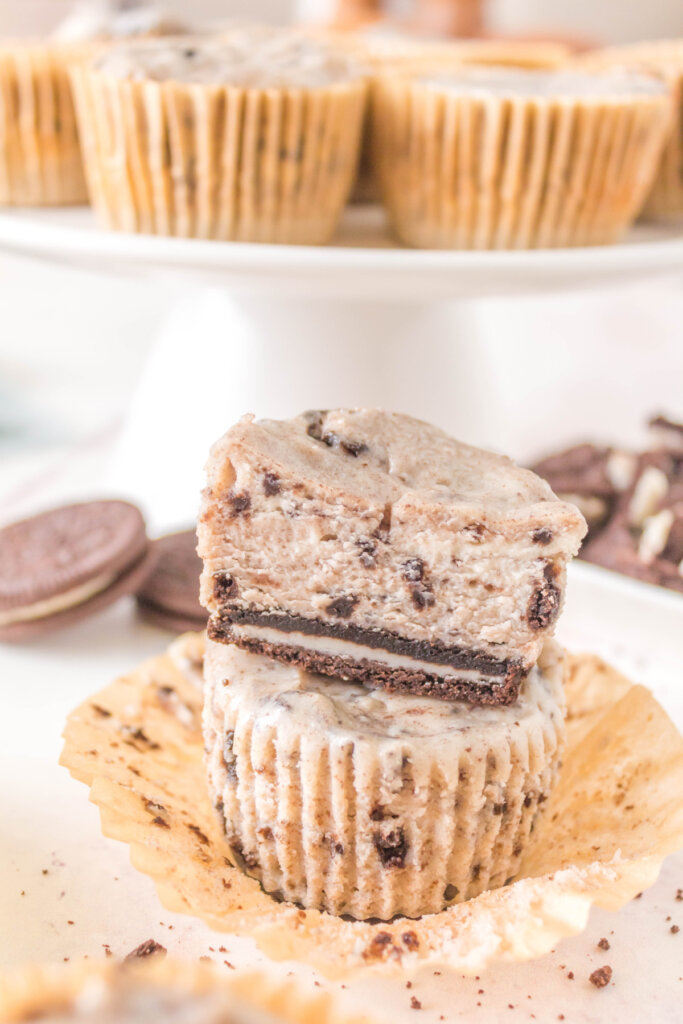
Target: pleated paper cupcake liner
[203, 161]
[665, 59]
[40, 156]
[469, 172]
[414, 56]
[614, 814]
[354, 826]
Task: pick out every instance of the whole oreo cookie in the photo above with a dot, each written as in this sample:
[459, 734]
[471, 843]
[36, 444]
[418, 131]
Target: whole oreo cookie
[169, 596]
[67, 563]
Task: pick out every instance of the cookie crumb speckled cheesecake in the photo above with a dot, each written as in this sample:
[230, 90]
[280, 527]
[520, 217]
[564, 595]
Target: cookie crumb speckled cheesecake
[373, 547]
[370, 804]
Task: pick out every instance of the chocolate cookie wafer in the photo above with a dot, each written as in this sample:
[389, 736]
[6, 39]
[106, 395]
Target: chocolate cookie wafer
[65, 564]
[169, 596]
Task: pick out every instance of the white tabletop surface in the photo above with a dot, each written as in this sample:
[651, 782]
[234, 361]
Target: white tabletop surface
[65, 891]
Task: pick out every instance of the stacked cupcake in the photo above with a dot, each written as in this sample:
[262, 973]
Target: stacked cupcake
[384, 705]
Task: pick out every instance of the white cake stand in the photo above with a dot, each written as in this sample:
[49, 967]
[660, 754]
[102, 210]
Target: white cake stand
[277, 329]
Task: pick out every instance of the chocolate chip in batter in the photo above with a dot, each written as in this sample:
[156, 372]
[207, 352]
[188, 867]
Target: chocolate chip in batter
[314, 418]
[422, 597]
[392, 848]
[271, 484]
[544, 606]
[224, 585]
[450, 893]
[240, 503]
[410, 940]
[341, 607]
[542, 536]
[413, 570]
[476, 531]
[368, 552]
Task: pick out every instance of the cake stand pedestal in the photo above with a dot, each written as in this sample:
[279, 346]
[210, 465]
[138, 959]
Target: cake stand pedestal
[276, 329]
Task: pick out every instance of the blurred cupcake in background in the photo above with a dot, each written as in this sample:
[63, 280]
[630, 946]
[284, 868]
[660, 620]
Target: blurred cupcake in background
[663, 58]
[40, 156]
[492, 158]
[248, 136]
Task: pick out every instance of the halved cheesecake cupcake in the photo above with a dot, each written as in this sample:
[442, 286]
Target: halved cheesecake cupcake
[251, 136]
[511, 159]
[370, 804]
[371, 546]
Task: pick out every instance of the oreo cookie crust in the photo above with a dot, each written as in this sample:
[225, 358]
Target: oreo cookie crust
[169, 596]
[372, 546]
[64, 564]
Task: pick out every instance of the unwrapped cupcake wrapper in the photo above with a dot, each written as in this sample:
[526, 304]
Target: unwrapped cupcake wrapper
[351, 828]
[468, 172]
[614, 814]
[202, 161]
[40, 156]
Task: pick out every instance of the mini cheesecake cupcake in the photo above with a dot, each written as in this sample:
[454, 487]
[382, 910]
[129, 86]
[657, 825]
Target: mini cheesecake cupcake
[665, 58]
[386, 53]
[252, 136]
[510, 159]
[40, 154]
[372, 804]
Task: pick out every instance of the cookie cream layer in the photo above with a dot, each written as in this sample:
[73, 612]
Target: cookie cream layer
[251, 56]
[370, 521]
[359, 802]
[59, 603]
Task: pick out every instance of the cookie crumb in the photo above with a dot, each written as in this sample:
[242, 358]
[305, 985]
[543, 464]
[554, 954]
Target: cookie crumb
[146, 949]
[603, 944]
[601, 977]
[415, 1004]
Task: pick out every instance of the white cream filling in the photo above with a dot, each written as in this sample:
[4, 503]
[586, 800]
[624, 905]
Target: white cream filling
[347, 648]
[58, 603]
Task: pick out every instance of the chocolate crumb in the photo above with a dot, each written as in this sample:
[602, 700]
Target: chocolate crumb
[570, 975]
[409, 984]
[415, 1004]
[674, 929]
[224, 585]
[240, 503]
[603, 944]
[341, 607]
[542, 536]
[601, 977]
[679, 895]
[413, 570]
[392, 848]
[637, 895]
[271, 484]
[145, 950]
[410, 940]
[422, 597]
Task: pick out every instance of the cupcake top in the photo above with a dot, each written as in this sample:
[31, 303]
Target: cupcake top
[271, 692]
[569, 84]
[116, 19]
[250, 56]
